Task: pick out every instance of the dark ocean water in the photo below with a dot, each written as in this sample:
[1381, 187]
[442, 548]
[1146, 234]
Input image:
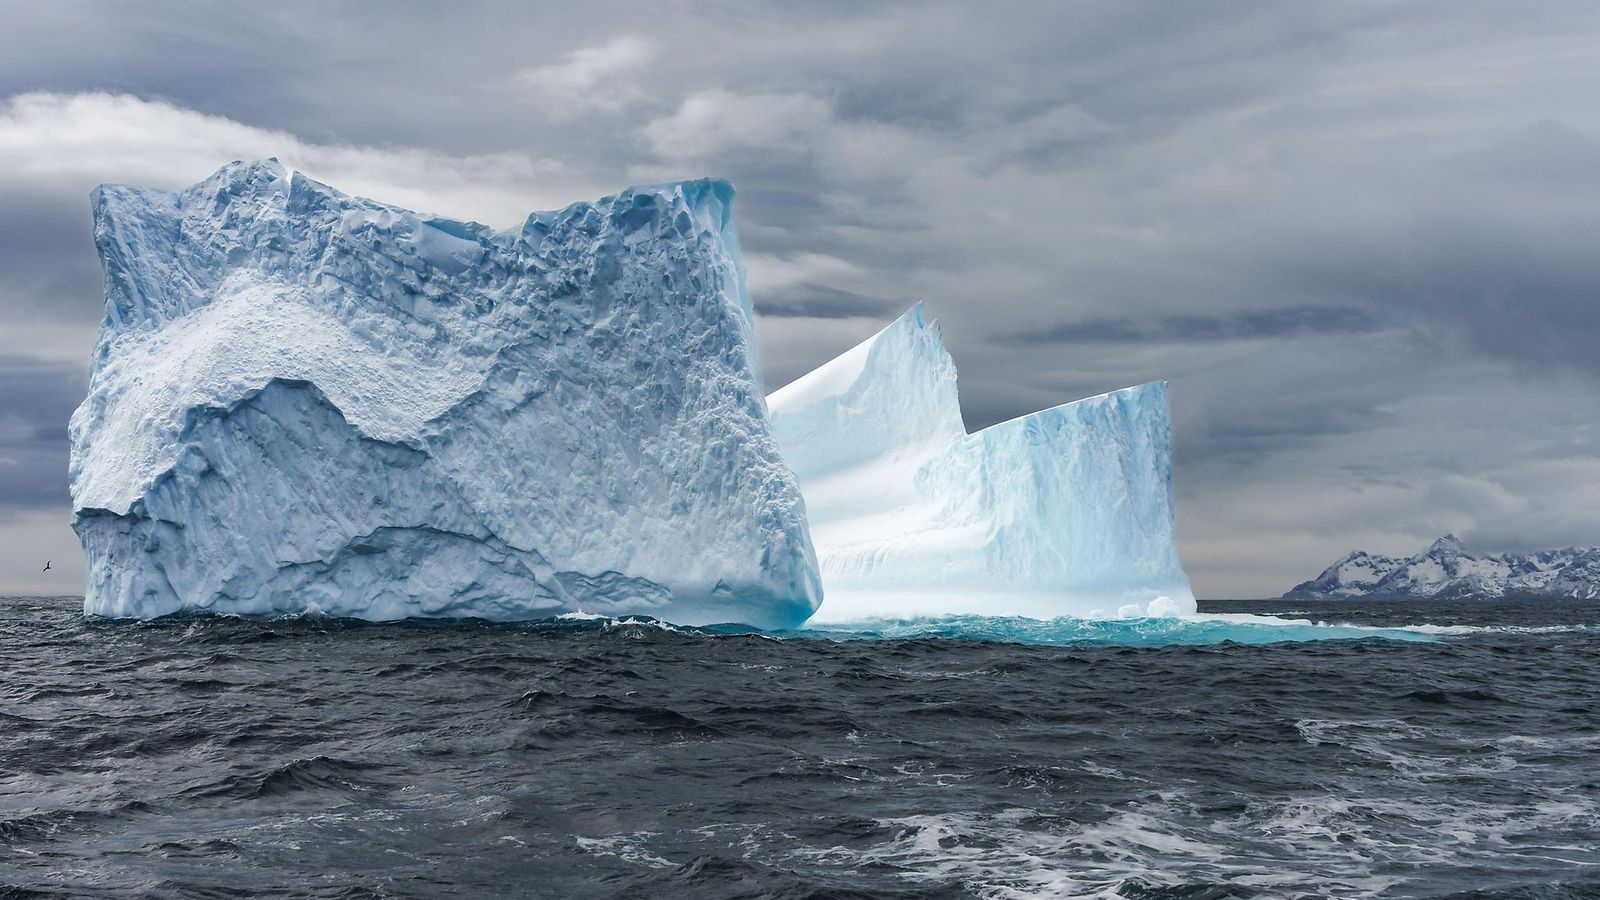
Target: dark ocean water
[591, 758]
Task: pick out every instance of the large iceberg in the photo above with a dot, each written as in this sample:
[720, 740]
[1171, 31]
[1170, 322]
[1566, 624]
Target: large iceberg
[302, 400]
[1064, 512]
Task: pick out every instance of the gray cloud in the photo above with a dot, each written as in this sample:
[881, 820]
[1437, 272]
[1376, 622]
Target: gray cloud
[1252, 325]
[809, 300]
[40, 398]
[1356, 238]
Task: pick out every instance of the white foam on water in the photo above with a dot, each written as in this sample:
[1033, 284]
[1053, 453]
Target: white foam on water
[1020, 853]
[581, 616]
[631, 848]
[1318, 845]
[1458, 630]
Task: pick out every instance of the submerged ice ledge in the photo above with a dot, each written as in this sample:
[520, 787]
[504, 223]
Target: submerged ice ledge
[1063, 512]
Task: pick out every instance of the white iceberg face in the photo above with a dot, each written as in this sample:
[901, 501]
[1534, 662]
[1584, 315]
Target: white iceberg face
[308, 401]
[1065, 512]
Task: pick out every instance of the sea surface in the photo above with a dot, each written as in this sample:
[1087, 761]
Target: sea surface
[1398, 750]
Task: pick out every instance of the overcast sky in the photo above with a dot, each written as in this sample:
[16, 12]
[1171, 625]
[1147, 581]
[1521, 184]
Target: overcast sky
[1361, 240]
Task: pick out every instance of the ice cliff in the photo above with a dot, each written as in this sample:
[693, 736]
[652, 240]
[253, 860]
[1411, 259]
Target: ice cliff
[1067, 511]
[302, 400]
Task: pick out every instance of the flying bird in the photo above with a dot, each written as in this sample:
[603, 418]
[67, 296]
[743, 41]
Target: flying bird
[46, 566]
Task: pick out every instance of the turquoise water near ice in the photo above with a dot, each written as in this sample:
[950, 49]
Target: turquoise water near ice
[1136, 632]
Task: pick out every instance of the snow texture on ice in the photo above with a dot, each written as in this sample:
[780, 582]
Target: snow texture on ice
[305, 401]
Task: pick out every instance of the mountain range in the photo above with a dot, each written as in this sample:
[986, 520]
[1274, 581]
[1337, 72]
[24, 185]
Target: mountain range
[1446, 570]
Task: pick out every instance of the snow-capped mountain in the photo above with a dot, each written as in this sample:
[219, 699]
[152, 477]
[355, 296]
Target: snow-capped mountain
[1446, 570]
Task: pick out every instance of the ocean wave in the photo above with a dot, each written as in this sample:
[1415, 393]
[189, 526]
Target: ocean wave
[1169, 845]
[1462, 630]
[594, 756]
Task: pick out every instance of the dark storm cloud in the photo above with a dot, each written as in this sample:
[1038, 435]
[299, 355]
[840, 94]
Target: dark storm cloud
[1253, 325]
[1357, 238]
[807, 300]
[50, 262]
[39, 399]
[1248, 438]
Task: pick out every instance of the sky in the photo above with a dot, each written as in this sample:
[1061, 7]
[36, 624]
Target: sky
[1358, 239]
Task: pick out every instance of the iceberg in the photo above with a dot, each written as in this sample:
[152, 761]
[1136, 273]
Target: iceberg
[303, 401]
[1064, 512]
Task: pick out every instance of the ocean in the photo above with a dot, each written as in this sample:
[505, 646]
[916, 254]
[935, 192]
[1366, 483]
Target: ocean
[1354, 750]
